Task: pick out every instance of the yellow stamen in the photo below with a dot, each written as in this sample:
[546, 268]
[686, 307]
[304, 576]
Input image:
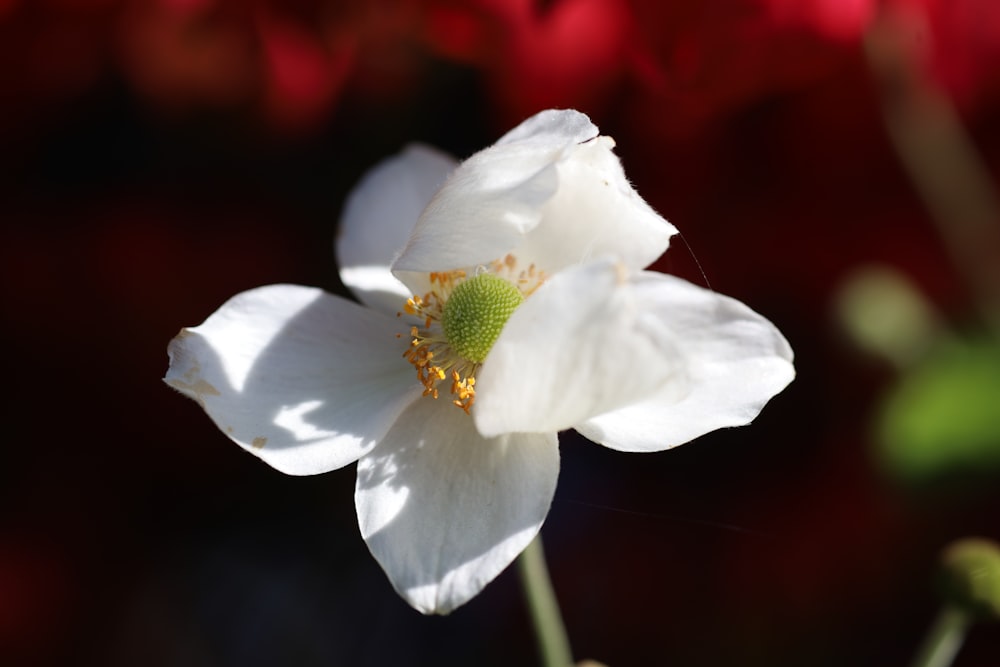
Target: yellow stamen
[430, 352]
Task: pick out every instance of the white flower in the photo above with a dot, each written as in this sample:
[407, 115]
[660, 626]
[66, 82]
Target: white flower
[525, 311]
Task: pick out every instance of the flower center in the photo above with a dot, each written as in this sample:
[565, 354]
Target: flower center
[462, 318]
[476, 312]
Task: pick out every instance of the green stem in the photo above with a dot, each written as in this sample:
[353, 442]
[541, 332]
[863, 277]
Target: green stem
[553, 644]
[944, 638]
[941, 159]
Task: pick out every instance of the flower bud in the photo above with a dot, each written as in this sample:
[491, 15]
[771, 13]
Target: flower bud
[971, 576]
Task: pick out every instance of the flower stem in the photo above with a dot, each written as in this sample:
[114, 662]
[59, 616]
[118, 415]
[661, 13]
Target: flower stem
[944, 638]
[553, 644]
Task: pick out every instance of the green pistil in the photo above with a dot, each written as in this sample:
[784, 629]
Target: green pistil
[476, 312]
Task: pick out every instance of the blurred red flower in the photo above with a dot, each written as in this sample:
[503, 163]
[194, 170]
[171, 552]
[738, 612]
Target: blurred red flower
[700, 60]
[572, 53]
[290, 63]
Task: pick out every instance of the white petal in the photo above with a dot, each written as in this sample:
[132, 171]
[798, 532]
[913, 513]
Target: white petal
[379, 216]
[306, 381]
[495, 197]
[551, 128]
[550, 192]
[585, 343]
[641, 362]
[734, 359]
[595, 212]
[444, 510]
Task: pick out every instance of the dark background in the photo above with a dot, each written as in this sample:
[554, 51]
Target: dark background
[158, 156]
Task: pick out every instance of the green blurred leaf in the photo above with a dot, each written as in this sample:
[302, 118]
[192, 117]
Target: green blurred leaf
[943, 418]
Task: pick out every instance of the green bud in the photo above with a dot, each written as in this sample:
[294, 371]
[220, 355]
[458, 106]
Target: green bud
[971, 569]
[887, 315]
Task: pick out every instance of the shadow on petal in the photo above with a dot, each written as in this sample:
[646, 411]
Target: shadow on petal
[306, 381]
[445, 510]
